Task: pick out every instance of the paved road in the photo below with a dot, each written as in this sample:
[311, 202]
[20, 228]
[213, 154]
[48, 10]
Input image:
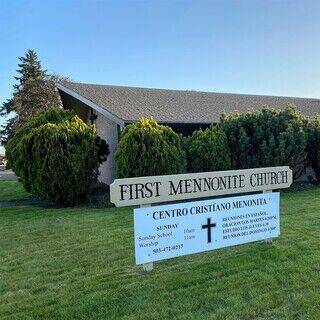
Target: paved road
[7, 175]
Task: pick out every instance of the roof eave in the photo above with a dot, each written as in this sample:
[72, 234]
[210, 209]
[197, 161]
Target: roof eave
[91, 104]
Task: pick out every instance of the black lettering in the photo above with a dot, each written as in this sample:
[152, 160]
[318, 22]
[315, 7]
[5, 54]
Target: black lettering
[139, 188]
[222, 183]
[172, 190]
[251, 182]
[273, 178]
[122, 191]
[187, 184]
[149, 192]
[157, 188]
[241, 181]
[197, 184]
[207, 184]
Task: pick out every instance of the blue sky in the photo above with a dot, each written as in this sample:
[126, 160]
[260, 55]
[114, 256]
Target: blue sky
[258, 47]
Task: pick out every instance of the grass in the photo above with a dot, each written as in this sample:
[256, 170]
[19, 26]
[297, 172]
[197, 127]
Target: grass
[79, 264]
[11, 190]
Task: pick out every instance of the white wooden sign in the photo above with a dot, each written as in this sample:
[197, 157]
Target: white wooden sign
[157, 189]
[168, 231]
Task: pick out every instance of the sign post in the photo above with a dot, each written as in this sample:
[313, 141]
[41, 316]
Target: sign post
[172, 230]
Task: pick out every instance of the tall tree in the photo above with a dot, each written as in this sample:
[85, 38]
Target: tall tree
[36, 95]
[29, 68]
[34, 91]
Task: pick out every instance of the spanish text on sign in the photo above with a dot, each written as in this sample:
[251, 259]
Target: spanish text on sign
[168, 231]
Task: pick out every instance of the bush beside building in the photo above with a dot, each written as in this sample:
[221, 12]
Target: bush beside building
[56, 155]
[242, 140]
[147, 148]
[208, 150]
[267, 138]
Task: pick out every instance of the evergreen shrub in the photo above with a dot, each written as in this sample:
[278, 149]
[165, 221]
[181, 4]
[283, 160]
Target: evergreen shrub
[208, 150]
[147, 148]
[313, 130]
[267, 138]
[56, 156]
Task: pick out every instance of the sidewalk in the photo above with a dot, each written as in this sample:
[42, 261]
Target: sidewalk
[7, 175]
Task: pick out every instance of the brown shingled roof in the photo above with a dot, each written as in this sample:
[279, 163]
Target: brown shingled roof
[177, 106]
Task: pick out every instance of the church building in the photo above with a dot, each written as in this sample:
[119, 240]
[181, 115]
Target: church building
[111, 108]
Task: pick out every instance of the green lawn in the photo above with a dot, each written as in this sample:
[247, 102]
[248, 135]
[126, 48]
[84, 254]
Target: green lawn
[12, 190]
[79, 264]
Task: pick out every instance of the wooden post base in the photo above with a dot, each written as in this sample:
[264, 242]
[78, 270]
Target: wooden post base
[147, 266]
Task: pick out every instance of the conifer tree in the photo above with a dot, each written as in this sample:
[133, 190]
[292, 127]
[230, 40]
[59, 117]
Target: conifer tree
[29, 68]
[34, 92]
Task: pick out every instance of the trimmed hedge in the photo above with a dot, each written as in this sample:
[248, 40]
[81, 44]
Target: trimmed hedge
[147, 148]
[313, 131]
[208, 150]
[267, 138]
[56, 156]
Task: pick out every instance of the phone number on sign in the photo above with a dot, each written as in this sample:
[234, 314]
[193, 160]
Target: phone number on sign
[169, 248]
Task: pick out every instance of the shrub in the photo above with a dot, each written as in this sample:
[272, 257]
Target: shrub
[56, 156]
[147, 148]
[208, 150]
[313, 130]
[267, 138]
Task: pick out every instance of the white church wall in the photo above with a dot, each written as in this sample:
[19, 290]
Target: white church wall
[107, 130]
